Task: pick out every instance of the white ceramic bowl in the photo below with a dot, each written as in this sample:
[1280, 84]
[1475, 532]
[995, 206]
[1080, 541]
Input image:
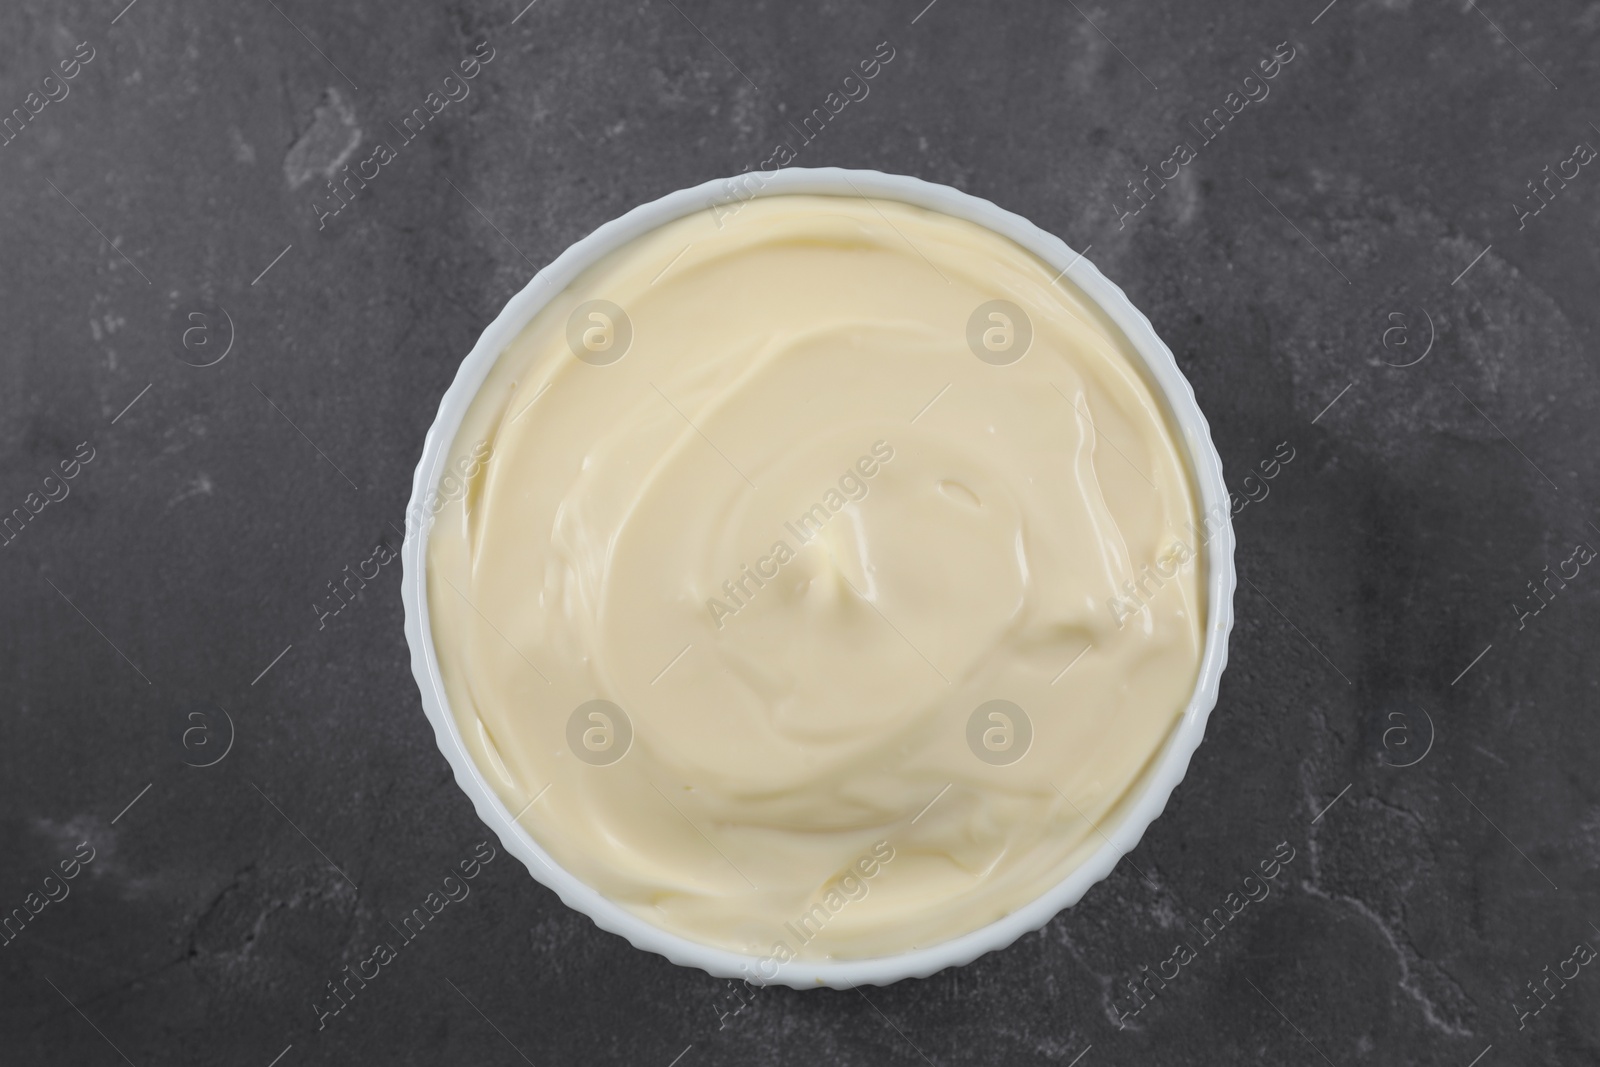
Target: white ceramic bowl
[1169, 385]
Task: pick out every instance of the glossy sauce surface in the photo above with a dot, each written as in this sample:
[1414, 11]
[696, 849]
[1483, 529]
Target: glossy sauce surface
[801, 616]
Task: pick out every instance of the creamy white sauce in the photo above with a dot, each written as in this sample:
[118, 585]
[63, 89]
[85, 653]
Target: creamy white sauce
[797, 518]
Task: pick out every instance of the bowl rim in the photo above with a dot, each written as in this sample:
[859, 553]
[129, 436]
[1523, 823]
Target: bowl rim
[1135, 813]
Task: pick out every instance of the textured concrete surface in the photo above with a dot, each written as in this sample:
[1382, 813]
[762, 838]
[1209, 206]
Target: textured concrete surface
[1388, 659]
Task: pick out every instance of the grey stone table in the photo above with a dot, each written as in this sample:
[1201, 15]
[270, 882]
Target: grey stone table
[216, 376]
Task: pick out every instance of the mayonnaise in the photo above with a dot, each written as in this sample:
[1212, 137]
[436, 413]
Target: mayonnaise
[822, 581]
